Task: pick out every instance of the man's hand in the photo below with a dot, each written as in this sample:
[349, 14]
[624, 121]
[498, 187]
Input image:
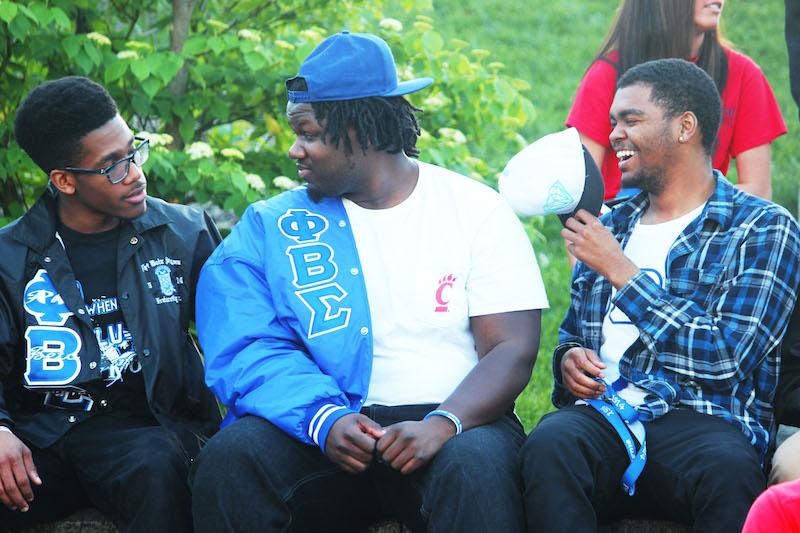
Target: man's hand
[351, 442]
[17, 472]
[591, 242]
[406, 446]
[578, 368]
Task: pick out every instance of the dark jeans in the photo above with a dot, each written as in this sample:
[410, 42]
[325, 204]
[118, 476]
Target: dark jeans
[131, 469]
[254, 477]
[700, 470]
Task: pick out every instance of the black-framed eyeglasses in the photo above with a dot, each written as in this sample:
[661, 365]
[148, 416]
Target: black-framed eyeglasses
[118, 171]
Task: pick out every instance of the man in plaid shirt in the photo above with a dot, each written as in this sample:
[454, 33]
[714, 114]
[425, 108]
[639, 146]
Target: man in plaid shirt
[679, 302]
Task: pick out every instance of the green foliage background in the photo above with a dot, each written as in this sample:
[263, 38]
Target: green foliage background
[222, 86]
[205, 80]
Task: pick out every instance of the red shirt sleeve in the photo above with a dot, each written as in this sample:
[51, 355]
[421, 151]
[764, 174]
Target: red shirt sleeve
[758, 116]
[589, 113]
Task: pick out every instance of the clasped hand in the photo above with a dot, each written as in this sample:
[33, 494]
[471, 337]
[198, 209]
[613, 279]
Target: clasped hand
[355, 440]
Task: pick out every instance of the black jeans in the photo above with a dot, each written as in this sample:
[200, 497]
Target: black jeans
[254, 477]
[700, 470]
[131, 469]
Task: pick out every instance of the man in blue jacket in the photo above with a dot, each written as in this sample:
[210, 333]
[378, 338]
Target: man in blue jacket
[368, 332]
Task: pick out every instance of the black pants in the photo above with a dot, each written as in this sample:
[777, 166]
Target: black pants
[700, 470]
[254, 477]
[133, 470]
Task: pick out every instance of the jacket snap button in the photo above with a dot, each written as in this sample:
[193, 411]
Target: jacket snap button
[72, 419]
[134, 240]
[93, 365]
[47, 259]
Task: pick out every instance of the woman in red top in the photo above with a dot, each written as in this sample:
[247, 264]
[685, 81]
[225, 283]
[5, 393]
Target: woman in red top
[655, 29]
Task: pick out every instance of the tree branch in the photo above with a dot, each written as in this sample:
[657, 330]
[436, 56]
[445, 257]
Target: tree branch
[244, 114]
[250, 15]
[134, 19]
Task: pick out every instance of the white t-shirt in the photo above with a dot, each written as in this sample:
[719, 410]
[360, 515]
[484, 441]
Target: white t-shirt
[452, 250]
[648, 248]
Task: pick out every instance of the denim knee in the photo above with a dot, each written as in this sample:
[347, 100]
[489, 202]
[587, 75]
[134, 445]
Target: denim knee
[231, 453]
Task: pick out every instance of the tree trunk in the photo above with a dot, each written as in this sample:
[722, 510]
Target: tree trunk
[181, 17]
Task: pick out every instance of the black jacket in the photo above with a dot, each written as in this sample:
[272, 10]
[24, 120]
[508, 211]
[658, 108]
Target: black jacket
[157, 308]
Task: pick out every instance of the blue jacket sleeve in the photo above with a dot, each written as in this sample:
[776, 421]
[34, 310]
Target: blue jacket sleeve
[569, 336]
[255, 363]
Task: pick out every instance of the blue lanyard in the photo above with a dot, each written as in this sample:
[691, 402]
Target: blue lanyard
[625, 420]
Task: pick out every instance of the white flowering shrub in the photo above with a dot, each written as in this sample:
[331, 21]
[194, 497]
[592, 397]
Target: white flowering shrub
[213, 104]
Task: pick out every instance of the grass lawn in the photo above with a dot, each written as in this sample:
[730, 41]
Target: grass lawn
[550, 44]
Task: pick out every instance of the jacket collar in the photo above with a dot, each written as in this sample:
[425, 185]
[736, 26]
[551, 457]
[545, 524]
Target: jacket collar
[719, 207]
[36, 229]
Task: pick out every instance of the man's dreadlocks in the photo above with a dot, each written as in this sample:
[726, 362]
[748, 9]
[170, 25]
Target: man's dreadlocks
[385, 123]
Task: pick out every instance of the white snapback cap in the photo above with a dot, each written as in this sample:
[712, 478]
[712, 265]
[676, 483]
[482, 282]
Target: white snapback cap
[555, 175]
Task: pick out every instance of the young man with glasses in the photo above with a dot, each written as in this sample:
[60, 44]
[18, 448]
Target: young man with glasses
[102, 401]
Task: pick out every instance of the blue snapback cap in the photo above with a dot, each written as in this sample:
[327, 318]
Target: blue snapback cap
[347, 66]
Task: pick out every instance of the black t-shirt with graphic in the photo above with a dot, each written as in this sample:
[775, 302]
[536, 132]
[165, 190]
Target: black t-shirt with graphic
[93, 257]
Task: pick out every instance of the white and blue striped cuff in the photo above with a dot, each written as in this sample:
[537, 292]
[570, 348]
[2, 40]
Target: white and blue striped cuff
[318, 422]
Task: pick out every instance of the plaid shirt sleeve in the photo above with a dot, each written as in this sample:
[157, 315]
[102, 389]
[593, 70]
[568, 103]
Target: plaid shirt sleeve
[569, 336]
[715, 327]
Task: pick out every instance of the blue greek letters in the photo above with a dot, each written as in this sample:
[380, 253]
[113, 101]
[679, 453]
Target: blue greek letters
[302, 225]
[52, 354]
[314, 271]
[43, 302]
[326, 313]
[311, 264]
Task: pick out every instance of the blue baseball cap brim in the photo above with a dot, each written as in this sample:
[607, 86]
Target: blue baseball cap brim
[350, 66]
[410, 86]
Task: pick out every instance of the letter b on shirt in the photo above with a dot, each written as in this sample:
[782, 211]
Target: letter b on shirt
[312, 264]
[52, 356]
[314, 268]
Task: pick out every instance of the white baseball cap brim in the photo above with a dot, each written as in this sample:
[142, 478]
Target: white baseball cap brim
[554, 175]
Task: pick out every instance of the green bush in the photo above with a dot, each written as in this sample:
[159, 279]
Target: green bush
[207, 87]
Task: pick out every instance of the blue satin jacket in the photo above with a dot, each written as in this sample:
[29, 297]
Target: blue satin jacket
[283, 317]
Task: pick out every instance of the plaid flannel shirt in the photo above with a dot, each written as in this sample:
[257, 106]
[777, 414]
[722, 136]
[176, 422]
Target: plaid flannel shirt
[709, 340]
